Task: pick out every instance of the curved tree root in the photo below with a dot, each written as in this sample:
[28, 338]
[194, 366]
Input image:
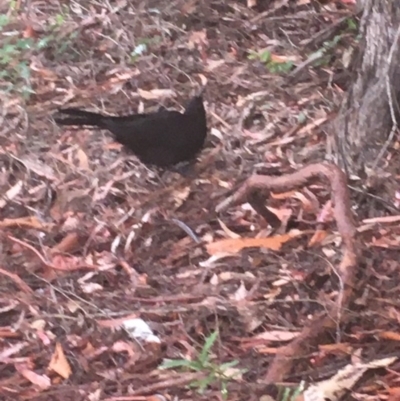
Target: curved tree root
[330, 319]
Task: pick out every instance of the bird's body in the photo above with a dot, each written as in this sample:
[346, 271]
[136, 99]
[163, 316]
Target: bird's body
[162, 138]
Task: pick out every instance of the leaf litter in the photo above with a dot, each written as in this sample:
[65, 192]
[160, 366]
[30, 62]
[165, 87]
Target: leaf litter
[91, 238]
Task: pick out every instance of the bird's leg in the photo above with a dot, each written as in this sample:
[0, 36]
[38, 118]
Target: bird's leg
[185, 169]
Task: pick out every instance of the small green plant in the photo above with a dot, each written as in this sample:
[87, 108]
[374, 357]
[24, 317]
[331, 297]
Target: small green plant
[289, 394]
[352, 24]
[16, 53]
[221, 374]
[275, 67]
[324, 54]
[13, 69]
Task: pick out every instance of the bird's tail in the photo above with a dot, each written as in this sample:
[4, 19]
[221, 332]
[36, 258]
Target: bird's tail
[80, 117]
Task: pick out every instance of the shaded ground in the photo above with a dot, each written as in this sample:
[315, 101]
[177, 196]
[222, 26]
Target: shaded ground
[93, 235]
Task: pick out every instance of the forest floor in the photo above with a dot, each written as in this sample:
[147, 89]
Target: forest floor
[93, 241]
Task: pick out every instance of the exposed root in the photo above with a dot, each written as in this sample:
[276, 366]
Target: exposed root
[250, 191]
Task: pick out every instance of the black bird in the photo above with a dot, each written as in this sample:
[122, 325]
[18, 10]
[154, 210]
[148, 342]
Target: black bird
[162, 138]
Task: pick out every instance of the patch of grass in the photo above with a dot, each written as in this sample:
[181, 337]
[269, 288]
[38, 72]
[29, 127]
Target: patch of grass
[215, 373]
[16, 52]
[289, 394]
[14, 68]
[325, 53]
[55, 39]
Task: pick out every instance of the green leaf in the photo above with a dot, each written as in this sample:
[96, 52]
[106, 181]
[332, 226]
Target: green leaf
[24, 70]
[196, 366]
[202, 384]
[176, 363]
[228, 365]
[224, 390]
[277, 68]
[9, 49]
[204, 356]
[43, 42]
[351, 24]
[5, 58]
[23, 44]
[265, 56]
[4, 20]
[253, 55]
[318, 54]
[59, 19]
[286, 394]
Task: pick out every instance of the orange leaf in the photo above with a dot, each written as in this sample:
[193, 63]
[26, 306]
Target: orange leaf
[59, 363]
[234, 245]
[29, 32]
[390, 335]
[318, 237]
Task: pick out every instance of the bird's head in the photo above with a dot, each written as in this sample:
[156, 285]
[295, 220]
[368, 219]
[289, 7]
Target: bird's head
[196, 105]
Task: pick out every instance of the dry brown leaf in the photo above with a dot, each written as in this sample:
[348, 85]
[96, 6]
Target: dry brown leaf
[281, 282]
[180, 195]
[68, 243]
[42, 381]
[345, 348]
[240, 293]
[344, 380]
[308, 205]
[66, 263]
[283, 195]
[11, 193]
[229, 233]
[59, 363]
[214, 64]
[29, 32]
[12, 350]
[17, 280]
[44, 73]
[394, 394]
[237, 244]
[282, 214]
[386, 242]
[26, 222]
[83, 159]
[189, 6]
[156, 93]
[198, 38]
[43, 337]
[89, 351]
[313, 124]
[326, 214]
[204, 81]
[123, 346]
[115, 322]
[385, 219]
[279, 58]
[178, 251]
[318, 237]
[90, 288]
[39, 168]
[277, 335]
[390, 335]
